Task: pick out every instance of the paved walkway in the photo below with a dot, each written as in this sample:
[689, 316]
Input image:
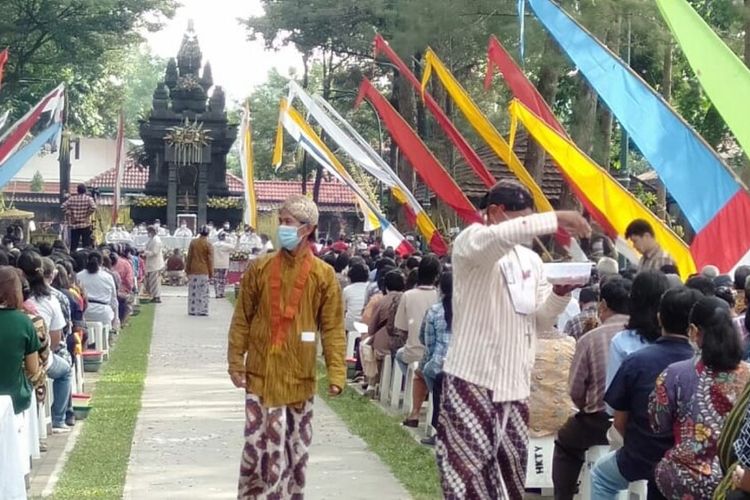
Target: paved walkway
[188, 438]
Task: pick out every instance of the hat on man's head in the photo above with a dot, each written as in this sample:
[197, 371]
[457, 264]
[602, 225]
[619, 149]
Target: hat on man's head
[512, 195]
[710, 271]
[302, 208]
[607, 265]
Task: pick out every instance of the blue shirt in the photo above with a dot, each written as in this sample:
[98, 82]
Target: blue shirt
[629, 391]
[623, 345]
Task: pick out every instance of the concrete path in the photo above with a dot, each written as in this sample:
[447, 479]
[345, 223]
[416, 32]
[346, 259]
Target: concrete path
[188, 437]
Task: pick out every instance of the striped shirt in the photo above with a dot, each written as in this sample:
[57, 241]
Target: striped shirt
[654, 260]
[588, 371]
[492, 345]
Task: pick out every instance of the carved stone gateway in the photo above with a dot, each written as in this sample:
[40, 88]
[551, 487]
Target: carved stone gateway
[187, 136]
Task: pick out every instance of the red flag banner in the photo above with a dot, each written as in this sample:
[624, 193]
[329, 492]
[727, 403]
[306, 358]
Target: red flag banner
[12, 138]
[421, 159]
[119, 166]
[3, 60]
[526, 93]
[471, 157]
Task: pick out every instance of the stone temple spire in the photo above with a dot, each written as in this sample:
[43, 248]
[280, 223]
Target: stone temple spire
[189, 57]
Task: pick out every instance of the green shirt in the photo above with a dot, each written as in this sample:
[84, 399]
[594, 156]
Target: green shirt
[18, 339]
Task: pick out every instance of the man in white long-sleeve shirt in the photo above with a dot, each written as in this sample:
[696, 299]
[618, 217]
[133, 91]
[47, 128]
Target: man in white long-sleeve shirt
[500, 296]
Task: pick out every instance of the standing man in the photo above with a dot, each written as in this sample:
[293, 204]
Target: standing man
[154, 264]
[222, 251]
[78, 210]
[500, 295]
[641, 234]
[250, 240]
[287, 301]
[199, 268]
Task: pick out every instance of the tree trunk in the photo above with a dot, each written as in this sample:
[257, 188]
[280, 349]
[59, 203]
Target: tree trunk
[549, 77]
[406, 107]
[603, 144]
[327, 81]
[666, 92]
[584, 116]
[421, 116]
[404, 103]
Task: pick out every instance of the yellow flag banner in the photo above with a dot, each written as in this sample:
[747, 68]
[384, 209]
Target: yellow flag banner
[482, 126]
[616, 203]
[248, 168]
[313, 144]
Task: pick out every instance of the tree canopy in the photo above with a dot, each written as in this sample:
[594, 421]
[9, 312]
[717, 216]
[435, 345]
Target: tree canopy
[91, 45]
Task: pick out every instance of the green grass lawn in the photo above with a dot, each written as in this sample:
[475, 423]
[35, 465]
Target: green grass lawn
[413, 464]
[98, 464]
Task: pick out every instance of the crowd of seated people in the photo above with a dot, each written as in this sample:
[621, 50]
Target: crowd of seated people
[656, 368]
[47, 297]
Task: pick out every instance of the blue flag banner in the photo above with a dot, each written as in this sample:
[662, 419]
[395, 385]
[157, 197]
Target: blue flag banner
[712, 199]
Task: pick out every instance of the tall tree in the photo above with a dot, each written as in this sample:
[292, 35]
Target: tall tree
[70, 41]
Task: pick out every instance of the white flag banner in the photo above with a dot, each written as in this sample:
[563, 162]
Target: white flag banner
[302, 133]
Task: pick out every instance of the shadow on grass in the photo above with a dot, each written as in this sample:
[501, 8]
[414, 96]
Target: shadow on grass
[413, 464]
[97, 466]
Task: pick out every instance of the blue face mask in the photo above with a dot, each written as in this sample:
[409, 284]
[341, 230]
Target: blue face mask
[288, 237]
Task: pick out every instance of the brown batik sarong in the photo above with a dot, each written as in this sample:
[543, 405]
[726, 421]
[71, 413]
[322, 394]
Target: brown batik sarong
[274, 458]
[481, 445]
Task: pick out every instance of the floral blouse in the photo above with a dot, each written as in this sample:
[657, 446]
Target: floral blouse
[693, 401]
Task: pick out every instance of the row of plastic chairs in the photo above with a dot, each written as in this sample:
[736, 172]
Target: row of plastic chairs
[539, 471]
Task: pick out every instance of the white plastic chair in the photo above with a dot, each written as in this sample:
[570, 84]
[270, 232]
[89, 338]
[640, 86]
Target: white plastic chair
[429, 430]
[397, 380]
[638, 490]
[385, 379]
[351, 340]
[409, 388]
[539, 464]
[48, 399]
[351, 337]
[96, 334]
[106, 330]
[79, 374]
[592, 455]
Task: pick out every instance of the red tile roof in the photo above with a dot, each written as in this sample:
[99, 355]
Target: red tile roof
[25, 187]
[331, 192]
[133, 179]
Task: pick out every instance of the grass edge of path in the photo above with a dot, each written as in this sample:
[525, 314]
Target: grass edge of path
[411, 463]
[97, 465]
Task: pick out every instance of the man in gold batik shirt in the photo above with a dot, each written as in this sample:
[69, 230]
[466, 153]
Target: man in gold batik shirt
[287, 301]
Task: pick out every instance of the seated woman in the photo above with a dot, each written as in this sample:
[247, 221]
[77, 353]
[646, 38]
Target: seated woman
[643, 326]
[20, 344]
[435, 335]
[59, 369]
[692, 398]
[100, 291]
[62, 283]
[381, 324]
[354, 295]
